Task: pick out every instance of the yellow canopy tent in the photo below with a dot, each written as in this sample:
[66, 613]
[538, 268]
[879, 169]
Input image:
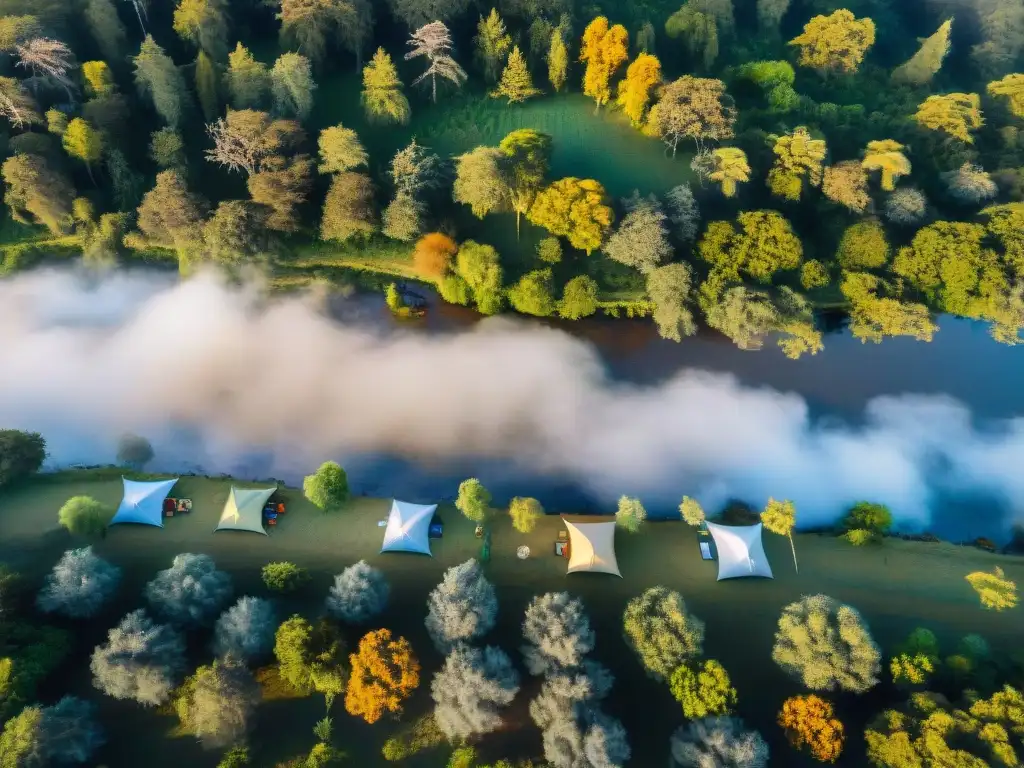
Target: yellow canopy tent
[244, 510]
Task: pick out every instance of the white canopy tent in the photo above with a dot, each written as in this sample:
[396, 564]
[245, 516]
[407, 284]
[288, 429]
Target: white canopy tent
[592, 547]
[740, 551]
[244, 510]
[143, 502]
[408, 528]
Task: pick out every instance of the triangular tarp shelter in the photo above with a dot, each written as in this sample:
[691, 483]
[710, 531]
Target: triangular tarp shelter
[244, 510]
[408, 527]
[740, 551]
[143, 502]
[592, 547]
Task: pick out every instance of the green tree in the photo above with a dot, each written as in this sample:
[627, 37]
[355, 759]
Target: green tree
[692, 108]
[915, 660]
[779, 517]
[525, 512]
[284, 576]
[382, 95]
[236, 232]
[662, 632]
[558, 61]
[170, 216]
[925, 64]
[480, 180]
[954, 114]
[340, 150]
[835, 43]
[158, 78]
[37, 193]
[877, 310]
[248, 80]
[797, 156]
[630, 515]
[532, 295]
[349, 208]
[480, 268]
[516, 84]
[282, 189]
[473, 500]
[1011, 87]
[106, 28]
[327, 488]
[98, 80]
[292, 86]
[167, 149]
[204, 23]
[874, 520]
[579, 298]
[703, 688]
[698, 30]
[814, 274]
[770, 14]
[886, 156]
[82, 142]
[307, 26]
[206, 86]
[527, 156]
[574, 209]
[84, 516]
[670, 288]
[21, 739]
[21, 455]
[393, 298]
[56, 122]
[292, 651]
[549, 249]
[492, 45]
[863, 246]
[764, 244]
[641, 240]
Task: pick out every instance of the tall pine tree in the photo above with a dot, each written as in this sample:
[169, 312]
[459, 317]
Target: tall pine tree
[558, 61]
[516, 84]
[923, 65]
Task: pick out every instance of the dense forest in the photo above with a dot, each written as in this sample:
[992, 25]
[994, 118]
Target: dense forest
[866, 155]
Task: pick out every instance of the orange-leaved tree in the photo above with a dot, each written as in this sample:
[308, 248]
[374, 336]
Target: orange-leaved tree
[385, 672]
[809, 722]
[433, 254]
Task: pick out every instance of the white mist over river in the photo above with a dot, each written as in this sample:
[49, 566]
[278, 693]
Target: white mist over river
[221, 379]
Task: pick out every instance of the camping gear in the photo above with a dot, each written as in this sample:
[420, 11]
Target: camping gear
[436, 531]
[561, 548]
[592, 545]
[740, 551]
[408, 527]
[246, 509]
[280, 508]
[143, 502]
[271, 521]
[705, 551]
[523, 552]
[183, 506]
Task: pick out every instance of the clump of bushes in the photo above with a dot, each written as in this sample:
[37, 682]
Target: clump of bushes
[327, 488]
[191, 591]
[84, 516]
[284, 576]
[140, 661]
[21, 455]
[245, 631]
[79, 585]
[359, 593]
[866, 523]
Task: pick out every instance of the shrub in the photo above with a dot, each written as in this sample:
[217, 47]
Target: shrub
[525, 512]
[826, 645]
[691, 511]
[62, 734]
[861, 536]
[462, 607]
[473, 500]
[809, 724]
[907, 206]
[630, 514]
[191, 591]
[359, 593]
[433, 254]
[21, 455]
[217, 702]
[31, 654]
[421, 735]
[140, 660]
[558, 634]
[471, 688]
[310, 657]
[813, 274]
[661, 631]
[327, 488]
[722, 742]
[550, 250]
[135, 451]
[995, 590]
[284, 576]
[863, 246]
[79, 584]
[236, 757]
[245, 631]
[703, 688]
[385, 672]
[864, 515]
[84, 516]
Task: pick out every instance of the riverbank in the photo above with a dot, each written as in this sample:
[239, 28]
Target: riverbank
[896, 586]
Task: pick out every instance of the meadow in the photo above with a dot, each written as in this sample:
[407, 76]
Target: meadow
[897, 586]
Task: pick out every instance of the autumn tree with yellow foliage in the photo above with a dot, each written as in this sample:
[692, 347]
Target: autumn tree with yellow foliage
[695, 108]
[997, 592]
[603, 50]
[779, 517]
[729, 167]
[516, 84]
[810, 723]
[385, 672]
[797, 156]
[642, 76]
[887, 157]
[836, 43]
[1011, 87]
[574, 209]
[954, 114]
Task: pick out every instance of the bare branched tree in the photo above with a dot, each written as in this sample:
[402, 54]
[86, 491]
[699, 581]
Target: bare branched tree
[435, 42]
[246, 139]
[46, 57]
[16, 105]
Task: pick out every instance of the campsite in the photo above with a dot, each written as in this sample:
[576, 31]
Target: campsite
[896, 587]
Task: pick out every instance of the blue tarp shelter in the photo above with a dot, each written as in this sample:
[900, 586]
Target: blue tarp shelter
[143, 502]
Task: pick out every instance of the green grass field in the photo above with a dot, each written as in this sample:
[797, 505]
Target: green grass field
[897, 586]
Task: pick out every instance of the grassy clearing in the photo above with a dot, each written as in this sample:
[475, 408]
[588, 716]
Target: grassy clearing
[897, 586]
